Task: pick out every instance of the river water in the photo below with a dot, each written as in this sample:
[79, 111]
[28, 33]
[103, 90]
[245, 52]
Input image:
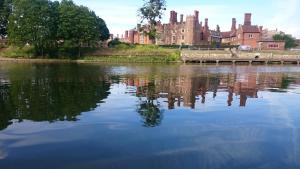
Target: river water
[99, 116]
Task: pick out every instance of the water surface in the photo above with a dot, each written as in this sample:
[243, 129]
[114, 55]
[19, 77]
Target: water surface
[77, 116]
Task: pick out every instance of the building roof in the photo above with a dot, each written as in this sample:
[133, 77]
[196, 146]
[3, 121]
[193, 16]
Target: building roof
[225, 34]
[214, 33]
[228, 34]
[272, 41]
[250, 29]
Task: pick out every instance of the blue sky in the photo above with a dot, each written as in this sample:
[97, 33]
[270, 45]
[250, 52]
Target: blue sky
[281, 14]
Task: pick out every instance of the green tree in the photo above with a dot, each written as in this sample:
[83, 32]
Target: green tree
[32, 22]
[148, 110]
[50, 93]
[151, 12]
[5, 10]
[104, 31]
[290, 42]
[79, 27]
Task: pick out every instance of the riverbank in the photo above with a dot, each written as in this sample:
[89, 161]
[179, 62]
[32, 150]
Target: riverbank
[223, 56]
[161, 55]
[120, 53]
[95, 59]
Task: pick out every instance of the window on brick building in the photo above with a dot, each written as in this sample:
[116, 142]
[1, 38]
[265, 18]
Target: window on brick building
[251, 36]
[174, 38]
[182, 30]
[273, 46]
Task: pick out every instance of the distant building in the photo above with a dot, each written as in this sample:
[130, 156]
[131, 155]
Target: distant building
[188, 32]
[248, 34]
[268, 34]
[298, 42]
[230, 36]
[271, 45]
[252, 35]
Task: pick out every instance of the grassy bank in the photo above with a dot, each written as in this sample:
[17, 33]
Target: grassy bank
[119, 53]
[132, 59]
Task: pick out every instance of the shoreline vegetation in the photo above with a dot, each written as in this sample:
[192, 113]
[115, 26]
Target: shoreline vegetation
[119, 53]
[127, 54]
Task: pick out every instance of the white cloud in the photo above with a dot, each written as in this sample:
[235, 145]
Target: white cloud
[286, 17]
[3, 154]
[121, 16]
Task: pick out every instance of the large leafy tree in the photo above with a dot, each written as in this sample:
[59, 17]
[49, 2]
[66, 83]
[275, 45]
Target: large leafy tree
[78, 27]
[32, 22]
[5, 10]
[290, 42]
[104, 31]
[151, 12]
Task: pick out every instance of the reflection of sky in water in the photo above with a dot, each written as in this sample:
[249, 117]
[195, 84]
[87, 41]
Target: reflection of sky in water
[262, 134]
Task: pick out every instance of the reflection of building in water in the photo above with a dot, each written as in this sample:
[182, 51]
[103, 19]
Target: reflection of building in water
[184, 89]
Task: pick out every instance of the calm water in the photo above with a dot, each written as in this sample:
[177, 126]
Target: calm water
[85, 116]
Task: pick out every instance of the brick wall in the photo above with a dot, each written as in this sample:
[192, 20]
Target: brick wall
[271, 45]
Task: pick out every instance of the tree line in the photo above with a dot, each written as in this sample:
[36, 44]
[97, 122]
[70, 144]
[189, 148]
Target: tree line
[290, 42]
[51, 28]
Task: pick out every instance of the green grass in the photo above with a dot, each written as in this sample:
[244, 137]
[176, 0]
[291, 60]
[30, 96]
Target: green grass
[17, 52]
[133, 59]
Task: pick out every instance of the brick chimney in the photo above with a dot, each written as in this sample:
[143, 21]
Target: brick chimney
[206, 29]
[196, 13]
[247, 20]
[138, 27]
[206, 22]
[181, 18]
[173, 17]
[233, 25]
[126, 34]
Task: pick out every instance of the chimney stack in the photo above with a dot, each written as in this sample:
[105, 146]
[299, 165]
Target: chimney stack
[206, 28]
[196, 13]
[247, 20]
[181, 18]
[173, 17]
[138, 27]
[233, 26]
[126, 34]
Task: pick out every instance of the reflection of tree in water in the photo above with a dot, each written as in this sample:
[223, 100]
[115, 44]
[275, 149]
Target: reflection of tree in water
[151, 114]
[50, 93]
[149, 109]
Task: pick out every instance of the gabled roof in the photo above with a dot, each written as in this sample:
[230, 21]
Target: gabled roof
[228, 34]
[225, 34]
[250, 29]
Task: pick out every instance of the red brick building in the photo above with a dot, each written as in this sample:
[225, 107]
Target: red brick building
[246, 34]
[230, 36]
[188, 32]
[271, 45]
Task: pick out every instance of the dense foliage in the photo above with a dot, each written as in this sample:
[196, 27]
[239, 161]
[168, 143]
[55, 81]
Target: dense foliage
[53, 28]
[5, 9]
[151, 12]
[290, 42]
